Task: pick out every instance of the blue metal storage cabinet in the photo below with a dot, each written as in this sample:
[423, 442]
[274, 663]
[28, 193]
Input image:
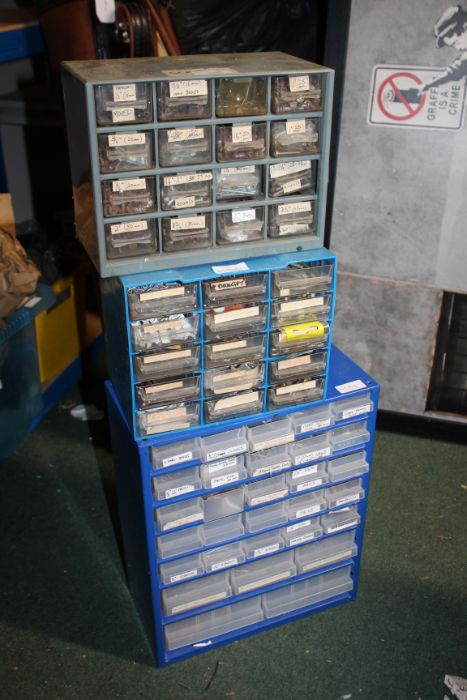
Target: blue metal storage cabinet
[230, 530]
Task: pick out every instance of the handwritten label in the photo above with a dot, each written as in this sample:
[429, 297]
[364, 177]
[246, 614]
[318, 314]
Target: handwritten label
[179, 490]
[136, 183]
[224, 564]
[309, 484]
[124, 114]
[128, 227]
[313, 454]
[268, 549]
[226, 479]
[310, 510]
[357, 411]
[177, 459]
[241, 170]
[295, 126]
[240, 215]
[184, 202]
[188, 223]
[289, 229]
[298, 526]
[227, 451]
[299, 83]
[187, 179]
[188, 88]
[348, 499]
[294, 166]
[298, 473]
[124, 93]
[294, 208]
[117, 140]
[302, 538]
[191, 134]
[292, 186]
[242, 133]
[185, 575]
[315, 425]
[222, 464]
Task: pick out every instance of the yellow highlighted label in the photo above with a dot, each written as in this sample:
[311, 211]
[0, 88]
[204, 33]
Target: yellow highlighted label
[302, 331]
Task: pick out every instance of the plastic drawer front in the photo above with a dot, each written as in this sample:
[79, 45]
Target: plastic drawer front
[195, 594]
[325, 553]
[262, 573]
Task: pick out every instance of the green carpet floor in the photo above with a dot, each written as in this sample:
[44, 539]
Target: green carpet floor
[69, 627]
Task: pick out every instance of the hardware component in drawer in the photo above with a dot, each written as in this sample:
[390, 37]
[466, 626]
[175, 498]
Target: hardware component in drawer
[310, 449]
[181, 569]
[155, 300]
[308, 592]
[170, 363]
[213, 623]
[307, 478]
[180, 542]
[296, 93]
[352, 407]
[264, 544]
[303, 365]
[300, 280]
[223, 557]
[301, 532]
[224, 529]
[295, 137]
[316, 306]
[239, 182]
[227, 380]
[233, 406]
[129, 238]
[176, 483]
[268, 461]
[266, 435]
[129, 196]
[183, 99]
[312, 419]
[241, 97]
[224, 471]
[225, 444]
[295, 177]
[307, 335]
[195, 594]
[175, 390]
[246, 141]
[163, 419]
[222, 504]
[178, 514]
[348, 466]
[291, 393]
[231, 290]
[262, 518]
[329, 551]
[222, 322]
[246, 349]
[128, 103]
[294, 219]
[184, 146]
[133, 150]
[175, 453]
[161, 332]
[266, 490]
[240, 225]
[263, 573]
[350, 492]
[349, 435]
[186, 190]
[340, 520]
[186, 232]
[308, 504]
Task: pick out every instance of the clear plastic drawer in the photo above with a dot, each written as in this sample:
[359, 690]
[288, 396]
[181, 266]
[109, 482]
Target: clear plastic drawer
[240, 225]
[298, 366]
[186, 190]
[186, 232]
[239, 182]
[295, 137]
[181, 569]
[268, 516]
[184, 146]
[232, 351]
[312, 419]
[268, 461]
[182, 389]
[312, 335]
[225, 444]
[222, 323]
[308, 504]
[223, 504]
[233, 406]
[156, 300]
[235, 378]
[297, 93]
[131, 150]
[349, 436]
[180, 542]
[302, 280]
[292, 178]
[264, 544]
[310, 449]
[307, 478]
[169, 363]
[241, 97]
[350, 408]
[178, 514]
[163, 419]
[126, 103]
[128, 196]
[224, 529]
[293, 392]
[304, 531]
[224, 471]
[223, 557]
[162, 332]
[272, 434]
[348, 466]
[126, 239]
[266, 490]
[339, 520]
[325, 553]
[195, 594]
[245, 141]
[294, 219]
[175, 453]
[235, 289]
[350, 492]
[183, 99]
[263, 573]
[176, 483]
[296, 310]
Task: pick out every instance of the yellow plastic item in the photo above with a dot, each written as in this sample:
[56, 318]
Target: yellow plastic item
[57, 332]
[302, 331]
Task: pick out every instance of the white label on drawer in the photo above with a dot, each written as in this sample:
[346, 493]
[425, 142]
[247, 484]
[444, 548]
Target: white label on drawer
[224, 564]
[241, 170]
[221, 347]
[357, 411]
[272, 468]
[299, 83]
[295, 166]
[188, 222]
[300, 386]
[226, 479]
[298, 473]
[273, 442]
[266, 550]
[301, 304]
[294, 362]
[242, 133]
[214, 70]
[179, 490]
[226, 316]
[303, 512]
[186, 179]
[347, 499]
[236, 283]
[292, 186]
[166, 356]
[232, 450]
[350, 386]
[328, 560]
[124, 93]
[268, 497]
[263, 582]
[222, 464]
[163, 416]
[198, 603]
[188, 88]
[184, 202]
[162, 387]
[342, 526]
[223, 269]
[287, 229]
[294, 208]
[185, 575]
[176, 459]
[298, 526]
[314, 454]
[295, 126]
[128, 227]
[116, 140]
[162, 293]
[301, 538]
[137, 183]
[240, 215]
[315, 425]
[309, 484]
[191, 134]
[239, 400]
[178, 522]
[125, 114]
[171, 325]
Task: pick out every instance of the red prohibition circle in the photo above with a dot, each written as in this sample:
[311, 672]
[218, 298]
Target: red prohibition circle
[411, 111]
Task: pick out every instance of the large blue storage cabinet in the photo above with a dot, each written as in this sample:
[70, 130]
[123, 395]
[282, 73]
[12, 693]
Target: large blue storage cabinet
[237, 528]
